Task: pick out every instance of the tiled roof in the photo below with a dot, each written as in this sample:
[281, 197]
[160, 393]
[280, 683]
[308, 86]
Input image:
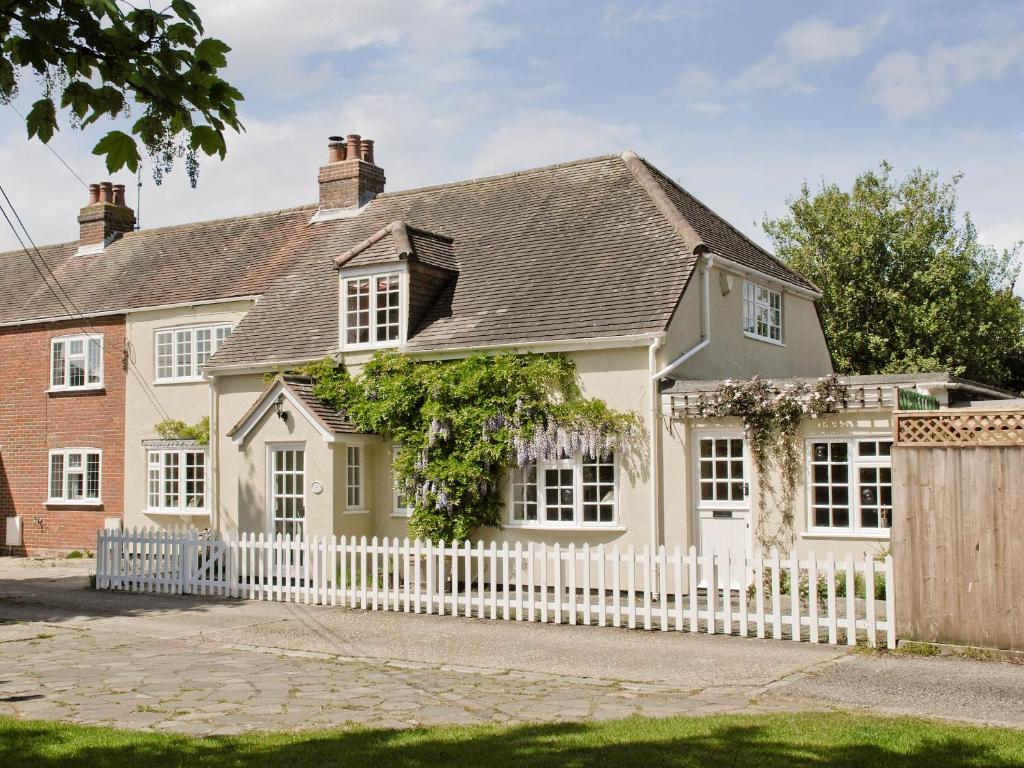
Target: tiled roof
[302, 388]
[203, 261]
[571, 251]
[592, 248]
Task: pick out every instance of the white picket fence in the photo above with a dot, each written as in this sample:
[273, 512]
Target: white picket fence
[603, 586]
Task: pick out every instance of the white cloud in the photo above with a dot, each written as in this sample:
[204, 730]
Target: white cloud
[906, 83]
[696, 80]
[616, 15]
[812, 41]
[707, 108]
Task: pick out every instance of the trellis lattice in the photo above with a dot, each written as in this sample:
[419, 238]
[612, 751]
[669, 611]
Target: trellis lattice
[968, 426]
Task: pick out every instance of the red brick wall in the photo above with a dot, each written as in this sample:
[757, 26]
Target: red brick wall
[33, 421]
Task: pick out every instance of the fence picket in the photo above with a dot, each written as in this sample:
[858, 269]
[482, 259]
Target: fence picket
[648, 566]
[543, 582]
[830, 607]
[890, 605]
[727, 594]
[662, 569]
[759, 593]
[869, 599]
[677, 564]
[570, 587]
[851, 594]
[602, 596]
[812, 597]
[776, 596]
[794, 596]
[505, 603]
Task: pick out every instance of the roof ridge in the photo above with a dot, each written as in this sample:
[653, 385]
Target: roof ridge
[643, 173]
[222, 220]
[497, 176]
[729, 224]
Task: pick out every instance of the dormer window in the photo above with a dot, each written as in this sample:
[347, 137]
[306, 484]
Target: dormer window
[372, 313]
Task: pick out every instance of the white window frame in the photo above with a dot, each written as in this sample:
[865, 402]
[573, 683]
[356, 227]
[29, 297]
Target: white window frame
[854, 463]
[753, 306]
[64, 498]
[219, 332]
[397, 510]
[372, 274]
[161, 478]
[355, 474]
[576, 464]
[89, 366]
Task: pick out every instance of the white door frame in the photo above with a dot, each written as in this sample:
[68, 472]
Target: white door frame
[271, 449]
[698, 506]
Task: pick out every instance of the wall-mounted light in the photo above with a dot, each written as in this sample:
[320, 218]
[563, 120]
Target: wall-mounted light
[279, 408]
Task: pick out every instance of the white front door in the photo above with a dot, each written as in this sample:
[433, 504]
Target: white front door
[722, 488]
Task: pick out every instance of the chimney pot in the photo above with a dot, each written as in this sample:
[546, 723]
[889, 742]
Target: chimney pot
[119, 194]
[353, 149]
[106, 192]
[368, 150]
[335, 149]
[94, 194]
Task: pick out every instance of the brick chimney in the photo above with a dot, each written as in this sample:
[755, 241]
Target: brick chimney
[350, 178]
[104, 217]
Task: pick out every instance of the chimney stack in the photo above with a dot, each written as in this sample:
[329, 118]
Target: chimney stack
[350, 178]
[104, 217]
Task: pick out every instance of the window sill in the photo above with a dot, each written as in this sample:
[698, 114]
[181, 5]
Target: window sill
[355, 511]
[854, 535]
[177, 512]
[172, 382]
[75, 390]
[755, 337]
[401, 515]
[370, 347]
[566, 528]
[74, 503]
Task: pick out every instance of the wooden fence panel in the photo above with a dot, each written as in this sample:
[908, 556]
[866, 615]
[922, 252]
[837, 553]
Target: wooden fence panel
[958, 544]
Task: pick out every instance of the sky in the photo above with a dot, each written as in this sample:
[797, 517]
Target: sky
[739, 102]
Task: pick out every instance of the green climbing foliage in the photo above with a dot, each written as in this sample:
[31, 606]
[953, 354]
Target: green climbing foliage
[462, 424]
[176, 429]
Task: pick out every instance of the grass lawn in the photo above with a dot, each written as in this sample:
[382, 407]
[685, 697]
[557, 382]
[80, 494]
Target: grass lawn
[793, 741]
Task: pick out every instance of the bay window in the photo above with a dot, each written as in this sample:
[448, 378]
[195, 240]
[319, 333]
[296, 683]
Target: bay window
[176, 481]
[566, 493]
[371, 309]
[182, 352]
[850, 485]
[74, 476]
[76, 362]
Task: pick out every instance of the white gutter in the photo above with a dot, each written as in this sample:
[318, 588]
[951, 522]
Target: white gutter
[214, 446]
[705, 321]
[254, 297]
[655, 448]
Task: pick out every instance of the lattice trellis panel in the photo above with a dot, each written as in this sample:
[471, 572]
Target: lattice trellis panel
[968, 426]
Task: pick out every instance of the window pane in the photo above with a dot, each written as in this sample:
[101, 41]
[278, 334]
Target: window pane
[92, 476]
[830, 489]
[171, 479]
[204, 346]
[56, 476]
[57, 364]
[524, 493]
[598, 489]
[355, 477]
[165, 355]
[95, 360]
[183, 354]
[195, 480]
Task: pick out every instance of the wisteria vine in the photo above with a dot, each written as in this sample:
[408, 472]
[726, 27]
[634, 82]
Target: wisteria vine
[462, 424]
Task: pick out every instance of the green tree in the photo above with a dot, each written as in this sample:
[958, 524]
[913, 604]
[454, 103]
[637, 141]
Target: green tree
[907, 286]
[96, 58]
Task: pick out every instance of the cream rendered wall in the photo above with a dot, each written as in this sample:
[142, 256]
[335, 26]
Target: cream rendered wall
[188, 402]
[731, 353]
[680, 498]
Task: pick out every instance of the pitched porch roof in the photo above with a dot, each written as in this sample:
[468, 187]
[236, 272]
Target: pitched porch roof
[297, 391]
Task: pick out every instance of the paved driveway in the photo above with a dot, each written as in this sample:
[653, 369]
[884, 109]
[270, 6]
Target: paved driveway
[198, 665]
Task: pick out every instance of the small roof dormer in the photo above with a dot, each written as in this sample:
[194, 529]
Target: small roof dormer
[391, 282]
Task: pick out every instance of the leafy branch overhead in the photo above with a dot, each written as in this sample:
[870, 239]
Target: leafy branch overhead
[104, 58]
[462, 423]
